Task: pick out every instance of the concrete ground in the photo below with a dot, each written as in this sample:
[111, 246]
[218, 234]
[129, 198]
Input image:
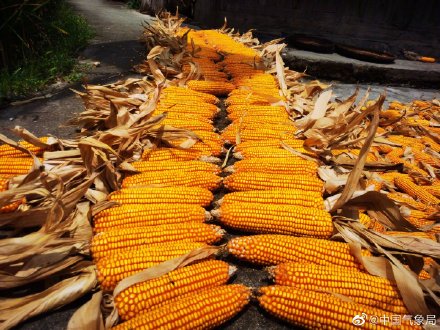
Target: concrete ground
[117, 49]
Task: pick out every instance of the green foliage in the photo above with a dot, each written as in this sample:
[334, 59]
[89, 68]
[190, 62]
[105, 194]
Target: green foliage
[134, 4]
[39, 39]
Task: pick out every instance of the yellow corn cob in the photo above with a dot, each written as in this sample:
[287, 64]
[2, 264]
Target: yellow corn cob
[267, 152]
[314, 310]
[170, 195]
[279, 196]
[275, 249]
[188, 117]
[406, 141]
[197, 166]
[256, 135]
[413, 234]
[189, 125]
[398, 106]
[425, 158]
[391, 114]
[421, 104]
[377, 184]
[13, 166]
[210, 148]
[434, 190]
[362, 288]
[186, 109]
[196, 107]
[416, 122]
[4, 184]
[418, 214]
[419, 222]
[162, 154]
[139, 215]
[258, 116]
[11, 207]
[217, 88]
[294, 143]
[249, 99]
[264, 181]
[144, 296]
[172, 91]
[174, 178]
[431, 143]
[206, 309]
[383, 148]
[247, 124]
[415, 191]
[276, 219]
[111, 241]
[275, 165]
[10, 152]
[404, 199]
[116, 267]
[257, 109]
[370, 223]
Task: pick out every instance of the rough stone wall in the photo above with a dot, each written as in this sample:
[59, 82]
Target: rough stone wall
[391, 25]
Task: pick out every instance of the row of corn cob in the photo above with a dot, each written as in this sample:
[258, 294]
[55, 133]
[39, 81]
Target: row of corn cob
[277, 192]
[164, 217]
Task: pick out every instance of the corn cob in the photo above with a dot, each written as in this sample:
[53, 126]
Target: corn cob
[172, 91]
[282, 115]
[10, 152]
[314, 310]
[4, 184]
[275, 249]
[205, 309]
[196, 107]
[171, 178]
[256, 109]
[197, 166]
[139, 215]
[11, 207]
[114, 268]
[397, 105]
[111, 241]
[363, 288]
[162, 154]
[269, 152]
[431, 143]
[413, 234]
[294, 143]
[170, 195]
[383, 148]
[189, 125]
[264, 181]
[376, 184]
[216, 88]
[188, 117]
[150, 294]
[276, 219]
[370, 223]
[186, 109]
[415, 191]
[279, 196]
[256, 135]
[433, 190]
[10, 166]
[404, 199]
[421, 104]
[275, 165]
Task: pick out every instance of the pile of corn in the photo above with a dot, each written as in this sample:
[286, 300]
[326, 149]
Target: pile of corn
[164, 211]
